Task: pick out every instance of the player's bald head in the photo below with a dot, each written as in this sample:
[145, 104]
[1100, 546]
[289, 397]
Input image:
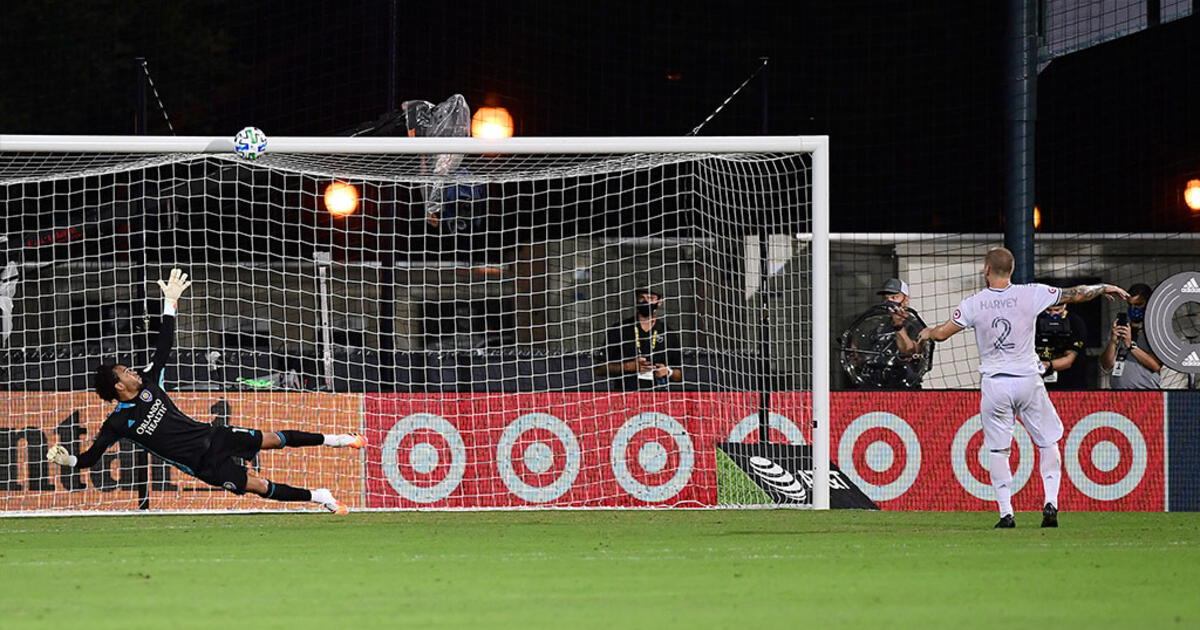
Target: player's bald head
[999, 262]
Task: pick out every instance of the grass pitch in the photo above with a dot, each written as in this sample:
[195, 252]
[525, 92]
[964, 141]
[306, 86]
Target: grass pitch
[616, 570]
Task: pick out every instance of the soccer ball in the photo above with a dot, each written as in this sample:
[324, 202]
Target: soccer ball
[250, 143]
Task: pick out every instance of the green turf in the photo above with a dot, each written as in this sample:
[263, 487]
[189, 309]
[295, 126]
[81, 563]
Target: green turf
[616, 570]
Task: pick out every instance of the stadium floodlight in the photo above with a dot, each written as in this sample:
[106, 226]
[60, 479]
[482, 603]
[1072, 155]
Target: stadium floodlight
[492, 122]
[1191, 195]
[341, 199]
[473, 351]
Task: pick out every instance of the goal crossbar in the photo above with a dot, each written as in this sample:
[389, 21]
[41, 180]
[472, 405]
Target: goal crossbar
[403, 145]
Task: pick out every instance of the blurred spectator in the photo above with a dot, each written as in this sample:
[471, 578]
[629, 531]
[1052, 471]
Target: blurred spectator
[1128, 359]
[1059, 341]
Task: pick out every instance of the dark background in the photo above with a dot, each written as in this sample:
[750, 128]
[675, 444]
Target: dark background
[910, 93]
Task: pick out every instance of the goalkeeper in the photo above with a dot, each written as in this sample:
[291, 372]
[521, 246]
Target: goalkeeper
[146, 416]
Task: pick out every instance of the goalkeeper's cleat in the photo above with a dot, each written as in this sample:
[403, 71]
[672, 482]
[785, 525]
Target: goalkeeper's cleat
[324, 497]
[352, 440]
[1006, 522]
[1049, 516]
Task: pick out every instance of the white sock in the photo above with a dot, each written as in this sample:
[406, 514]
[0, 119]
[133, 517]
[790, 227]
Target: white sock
[1001, 480]
[1050, 462]
[322, 496]
[339, 439]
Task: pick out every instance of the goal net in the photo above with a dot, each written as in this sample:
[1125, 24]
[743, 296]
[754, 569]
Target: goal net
[480, 310]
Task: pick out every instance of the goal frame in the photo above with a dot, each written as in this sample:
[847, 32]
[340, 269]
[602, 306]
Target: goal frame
[817, 146]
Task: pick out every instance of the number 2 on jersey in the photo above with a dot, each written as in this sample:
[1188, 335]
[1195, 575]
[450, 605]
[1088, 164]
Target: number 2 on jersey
[1001, 342]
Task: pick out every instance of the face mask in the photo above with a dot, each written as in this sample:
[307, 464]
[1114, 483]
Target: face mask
[646, 309]
[1055, 316]
[1137, 314]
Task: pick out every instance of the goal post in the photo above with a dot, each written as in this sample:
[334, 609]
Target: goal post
[469, 313]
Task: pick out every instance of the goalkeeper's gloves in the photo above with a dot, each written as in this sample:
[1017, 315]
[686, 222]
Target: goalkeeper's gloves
[174, 286]
[60, 456]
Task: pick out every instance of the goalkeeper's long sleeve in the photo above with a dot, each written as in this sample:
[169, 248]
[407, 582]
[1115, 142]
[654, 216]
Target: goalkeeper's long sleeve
[104, 439]
[166, 340]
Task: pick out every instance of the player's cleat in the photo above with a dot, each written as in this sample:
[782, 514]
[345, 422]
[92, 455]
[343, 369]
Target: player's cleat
[352, 440]
[1006, 522]
[1049, 516]
[325, 498]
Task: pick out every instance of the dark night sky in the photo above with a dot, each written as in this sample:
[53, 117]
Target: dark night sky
[909, 92]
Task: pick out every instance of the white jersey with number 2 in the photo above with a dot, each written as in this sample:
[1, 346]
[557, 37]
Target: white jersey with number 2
[1004, 321]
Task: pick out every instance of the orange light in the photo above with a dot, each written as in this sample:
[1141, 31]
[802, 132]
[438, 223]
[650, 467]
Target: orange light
[1191, 195]
[341, 199]
[1037, 217]
[492, 122]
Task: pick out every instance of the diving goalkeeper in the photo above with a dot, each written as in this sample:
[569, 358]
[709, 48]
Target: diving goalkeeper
[146, 416]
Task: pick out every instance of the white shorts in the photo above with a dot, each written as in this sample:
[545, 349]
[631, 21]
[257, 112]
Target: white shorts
[1025, 397]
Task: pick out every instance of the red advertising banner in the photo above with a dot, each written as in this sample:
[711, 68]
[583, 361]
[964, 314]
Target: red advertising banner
[905, 450]
[505, 450]
[924, 450]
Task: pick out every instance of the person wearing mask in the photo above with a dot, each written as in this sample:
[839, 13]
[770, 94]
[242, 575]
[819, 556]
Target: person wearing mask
[1128, 359]
[642, 353]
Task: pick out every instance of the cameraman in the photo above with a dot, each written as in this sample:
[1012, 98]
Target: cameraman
[1059, 343]
[1128, 358]
[879, 350]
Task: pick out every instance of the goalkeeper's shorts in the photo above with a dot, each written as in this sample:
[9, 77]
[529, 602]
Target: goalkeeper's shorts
[218, 466]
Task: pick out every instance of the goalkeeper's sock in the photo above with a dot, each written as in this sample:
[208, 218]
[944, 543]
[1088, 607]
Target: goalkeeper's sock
[299, 438]
[284, 492]
[1051, 466]
[1001, 480]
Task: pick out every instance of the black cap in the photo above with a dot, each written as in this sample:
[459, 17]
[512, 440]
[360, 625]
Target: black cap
[893, 285]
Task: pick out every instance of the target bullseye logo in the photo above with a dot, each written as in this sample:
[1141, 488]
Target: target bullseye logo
[1105, 455]
[890, 451]
[968, 448]
[432, 448]
[647, 475]
[780, 423]
[544, 443]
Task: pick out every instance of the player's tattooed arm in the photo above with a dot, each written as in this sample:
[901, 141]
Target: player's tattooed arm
[1081, 293]
[1085, 292]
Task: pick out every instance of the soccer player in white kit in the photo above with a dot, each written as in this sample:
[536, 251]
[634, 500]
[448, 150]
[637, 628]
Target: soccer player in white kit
[1004, 316]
